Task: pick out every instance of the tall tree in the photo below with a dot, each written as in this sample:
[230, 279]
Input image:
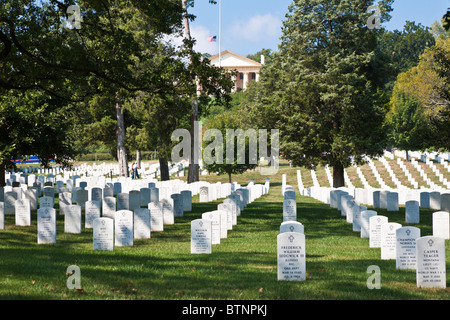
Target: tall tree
[229, 134]
[32, 123]
[101, 57]
[321, 88]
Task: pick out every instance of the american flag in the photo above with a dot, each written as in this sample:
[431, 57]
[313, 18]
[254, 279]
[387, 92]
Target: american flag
[212, 39]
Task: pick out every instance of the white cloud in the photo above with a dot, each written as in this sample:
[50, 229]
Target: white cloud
[256, 28]
[200, 34]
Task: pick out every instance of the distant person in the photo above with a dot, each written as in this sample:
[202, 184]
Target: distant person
[135, 173]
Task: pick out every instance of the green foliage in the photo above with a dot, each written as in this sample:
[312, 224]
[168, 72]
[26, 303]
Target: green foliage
[408, 128]
[32, 123]
[401, 50]
[427, 85]
[223, 123]
[267, 53]
[320, 90]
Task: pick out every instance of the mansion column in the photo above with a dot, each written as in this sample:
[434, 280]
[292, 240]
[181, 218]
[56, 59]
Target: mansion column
[244, 85]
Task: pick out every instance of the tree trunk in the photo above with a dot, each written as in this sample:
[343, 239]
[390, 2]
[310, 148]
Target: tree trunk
[338, 176]
[229, 177]
[2, 174]
[138, 158]
[193, 173]
[164, 169]
[120, 133]
[194, 168]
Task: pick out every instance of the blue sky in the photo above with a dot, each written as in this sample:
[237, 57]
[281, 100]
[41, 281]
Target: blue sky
[251, 25]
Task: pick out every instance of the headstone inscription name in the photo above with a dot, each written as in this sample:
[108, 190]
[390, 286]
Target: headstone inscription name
[23, 212]
[123, 228]
[406, 247]
[46, 225]
[201, 236]
[291, 256]
[289, 210]
[103, 234]
[388, 240]
[375, 223]
[430, 272]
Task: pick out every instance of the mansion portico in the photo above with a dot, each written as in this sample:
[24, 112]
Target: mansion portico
[248, 69]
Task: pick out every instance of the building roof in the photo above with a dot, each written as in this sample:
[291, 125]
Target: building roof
[233, 60]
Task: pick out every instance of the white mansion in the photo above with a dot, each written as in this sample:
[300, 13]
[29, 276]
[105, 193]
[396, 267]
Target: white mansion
[248, 70]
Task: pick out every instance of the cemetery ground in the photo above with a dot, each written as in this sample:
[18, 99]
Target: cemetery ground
[242, 267]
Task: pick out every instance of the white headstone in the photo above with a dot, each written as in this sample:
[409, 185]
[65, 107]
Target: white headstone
[227, 209]
[117, 188]
[135, 200]
[65, 199]
[154, 195]
[364, 222]
[435, 200]
[376, 198]
[92, 212]
[292, 226]
[103, 234]
[289, 210]
[201, 236]
[123, 228]
[46, 202]
[375, 223]
[187, 200]
[289, 194]
[32, 195]
[215, 217]
[96, 194]
[388, 240]
[291, 256]
[392, 201]
[445, 202]
[123, 201]
[46, 225]
[356, 215]
[108, 207]
[156, 216]
[425, 199]
[168, 211]
[23, 212]
[177, 204]
[430, 272]
[406, 247]
[441, 224]
[82, 197]
[141, 223]
[10, 202]
[108, 192]
[144, 196]
[72, 219]
[383, 198]
[412, 211]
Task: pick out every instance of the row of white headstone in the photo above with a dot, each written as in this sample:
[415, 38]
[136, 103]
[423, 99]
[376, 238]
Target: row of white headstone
[214, 225]
[404, 244]
[291, 251]
[427, 198]
[146, 170]
[131, 215]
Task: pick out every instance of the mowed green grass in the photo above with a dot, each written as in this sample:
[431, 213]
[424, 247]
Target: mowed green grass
[242, 267]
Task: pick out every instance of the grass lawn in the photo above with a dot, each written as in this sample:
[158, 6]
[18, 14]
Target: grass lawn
[241, 267]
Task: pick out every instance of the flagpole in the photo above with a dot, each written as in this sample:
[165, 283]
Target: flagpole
[220, 33]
